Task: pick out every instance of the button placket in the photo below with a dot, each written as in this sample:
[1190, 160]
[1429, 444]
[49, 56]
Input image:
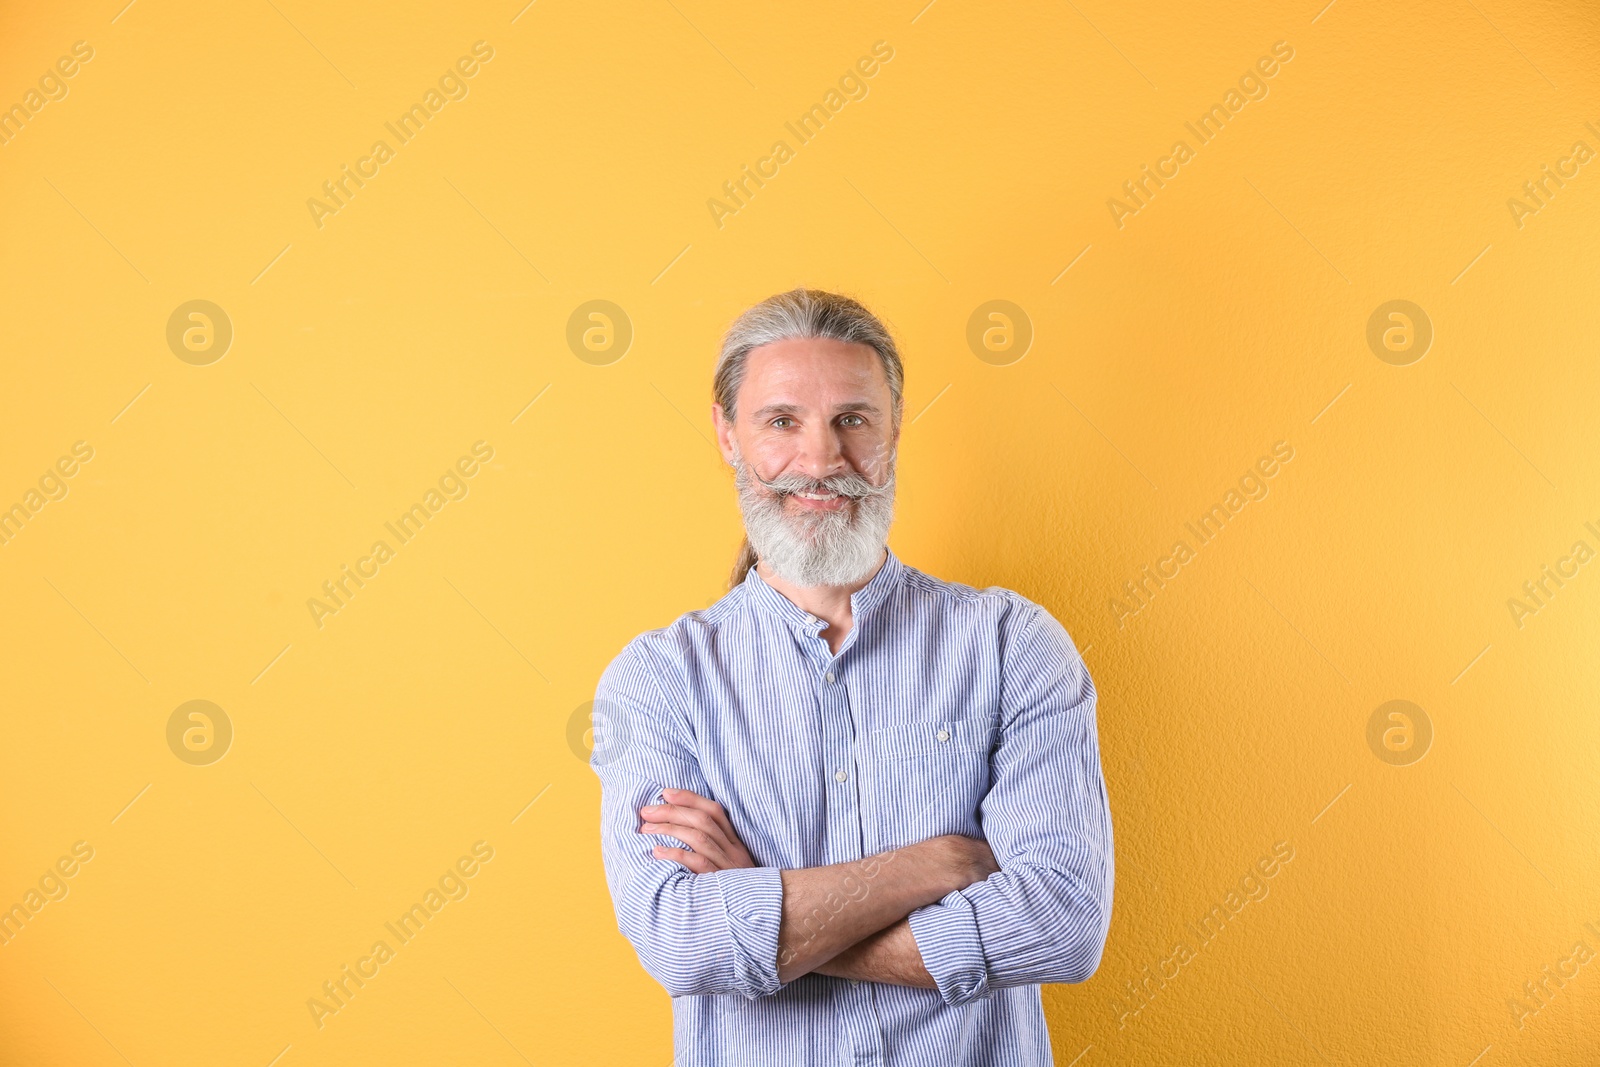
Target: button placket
[832, 697]
[844, 830]
[840, 775]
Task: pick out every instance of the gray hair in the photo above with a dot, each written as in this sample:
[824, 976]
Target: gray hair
[799, 313]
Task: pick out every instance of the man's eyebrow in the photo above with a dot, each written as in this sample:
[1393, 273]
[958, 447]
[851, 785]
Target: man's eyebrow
[769, 410]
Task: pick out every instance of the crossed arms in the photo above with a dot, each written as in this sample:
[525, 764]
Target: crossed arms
[845, 919]
[1030, 904]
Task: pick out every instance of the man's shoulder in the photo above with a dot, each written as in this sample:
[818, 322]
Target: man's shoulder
[682, 635]
[1006, 605]
[1011, 619]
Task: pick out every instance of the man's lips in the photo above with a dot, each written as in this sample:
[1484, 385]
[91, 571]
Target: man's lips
[823, 501]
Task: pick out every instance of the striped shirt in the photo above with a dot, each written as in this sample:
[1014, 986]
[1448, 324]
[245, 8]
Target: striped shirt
[946, 710]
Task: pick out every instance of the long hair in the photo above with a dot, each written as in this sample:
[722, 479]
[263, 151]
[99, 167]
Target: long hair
[799, 313]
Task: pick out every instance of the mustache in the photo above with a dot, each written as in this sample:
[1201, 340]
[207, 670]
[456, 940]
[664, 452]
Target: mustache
[846, 484]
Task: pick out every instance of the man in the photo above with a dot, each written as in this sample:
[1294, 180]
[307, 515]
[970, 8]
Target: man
[851, 813]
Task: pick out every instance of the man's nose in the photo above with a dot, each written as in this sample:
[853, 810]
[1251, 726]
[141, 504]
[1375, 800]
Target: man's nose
[821, 455]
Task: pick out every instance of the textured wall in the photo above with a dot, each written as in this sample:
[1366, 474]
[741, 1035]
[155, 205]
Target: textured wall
[1395, 481]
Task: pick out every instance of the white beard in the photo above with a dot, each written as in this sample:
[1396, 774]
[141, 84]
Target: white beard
[816, 547]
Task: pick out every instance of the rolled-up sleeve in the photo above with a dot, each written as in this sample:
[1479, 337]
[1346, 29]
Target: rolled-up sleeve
[694, 933]
[1045, 915]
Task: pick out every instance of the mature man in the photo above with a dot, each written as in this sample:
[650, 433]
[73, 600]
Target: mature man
[851, 813]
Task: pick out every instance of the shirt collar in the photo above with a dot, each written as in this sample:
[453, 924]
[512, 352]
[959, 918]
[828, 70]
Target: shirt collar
[862, 601]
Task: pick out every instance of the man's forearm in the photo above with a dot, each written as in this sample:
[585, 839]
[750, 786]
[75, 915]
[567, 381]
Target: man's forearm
[890, 955]
[826, 910]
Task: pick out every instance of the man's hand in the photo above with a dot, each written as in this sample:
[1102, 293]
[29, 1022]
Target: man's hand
[699, 823]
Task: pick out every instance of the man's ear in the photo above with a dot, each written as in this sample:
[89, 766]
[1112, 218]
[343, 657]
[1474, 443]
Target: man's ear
[724, 428]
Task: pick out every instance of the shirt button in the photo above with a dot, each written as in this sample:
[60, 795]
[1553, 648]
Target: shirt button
[943, 735]
[828, 677]
[841, 775]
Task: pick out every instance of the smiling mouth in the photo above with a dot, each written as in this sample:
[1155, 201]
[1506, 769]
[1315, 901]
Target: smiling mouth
[823, 501]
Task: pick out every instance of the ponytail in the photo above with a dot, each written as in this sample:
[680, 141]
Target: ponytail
[741, 566]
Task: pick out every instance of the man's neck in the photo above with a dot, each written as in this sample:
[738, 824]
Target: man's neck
[830, 603]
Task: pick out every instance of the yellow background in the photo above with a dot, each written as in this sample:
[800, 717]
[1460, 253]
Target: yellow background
[430, 712]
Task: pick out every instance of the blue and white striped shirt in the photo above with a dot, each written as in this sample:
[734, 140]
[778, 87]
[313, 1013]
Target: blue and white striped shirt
[946, 710]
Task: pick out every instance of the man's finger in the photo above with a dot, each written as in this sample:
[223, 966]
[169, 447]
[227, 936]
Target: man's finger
[686, 816]
[692, 800]
[696, 863]
[700, 842]
[685, 798]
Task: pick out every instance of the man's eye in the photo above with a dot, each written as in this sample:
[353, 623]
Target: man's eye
[853, 420]
[781, 422]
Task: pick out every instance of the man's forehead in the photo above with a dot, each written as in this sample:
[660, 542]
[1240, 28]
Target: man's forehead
[810, 365]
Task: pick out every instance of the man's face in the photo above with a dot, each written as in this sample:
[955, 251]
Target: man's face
[812, 445]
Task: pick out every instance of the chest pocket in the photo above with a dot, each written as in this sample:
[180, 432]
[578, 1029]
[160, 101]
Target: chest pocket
[926, 778]
[932, 740]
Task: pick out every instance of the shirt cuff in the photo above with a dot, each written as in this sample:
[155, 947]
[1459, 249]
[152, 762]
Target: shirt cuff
[947, 936]
[753, 900]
